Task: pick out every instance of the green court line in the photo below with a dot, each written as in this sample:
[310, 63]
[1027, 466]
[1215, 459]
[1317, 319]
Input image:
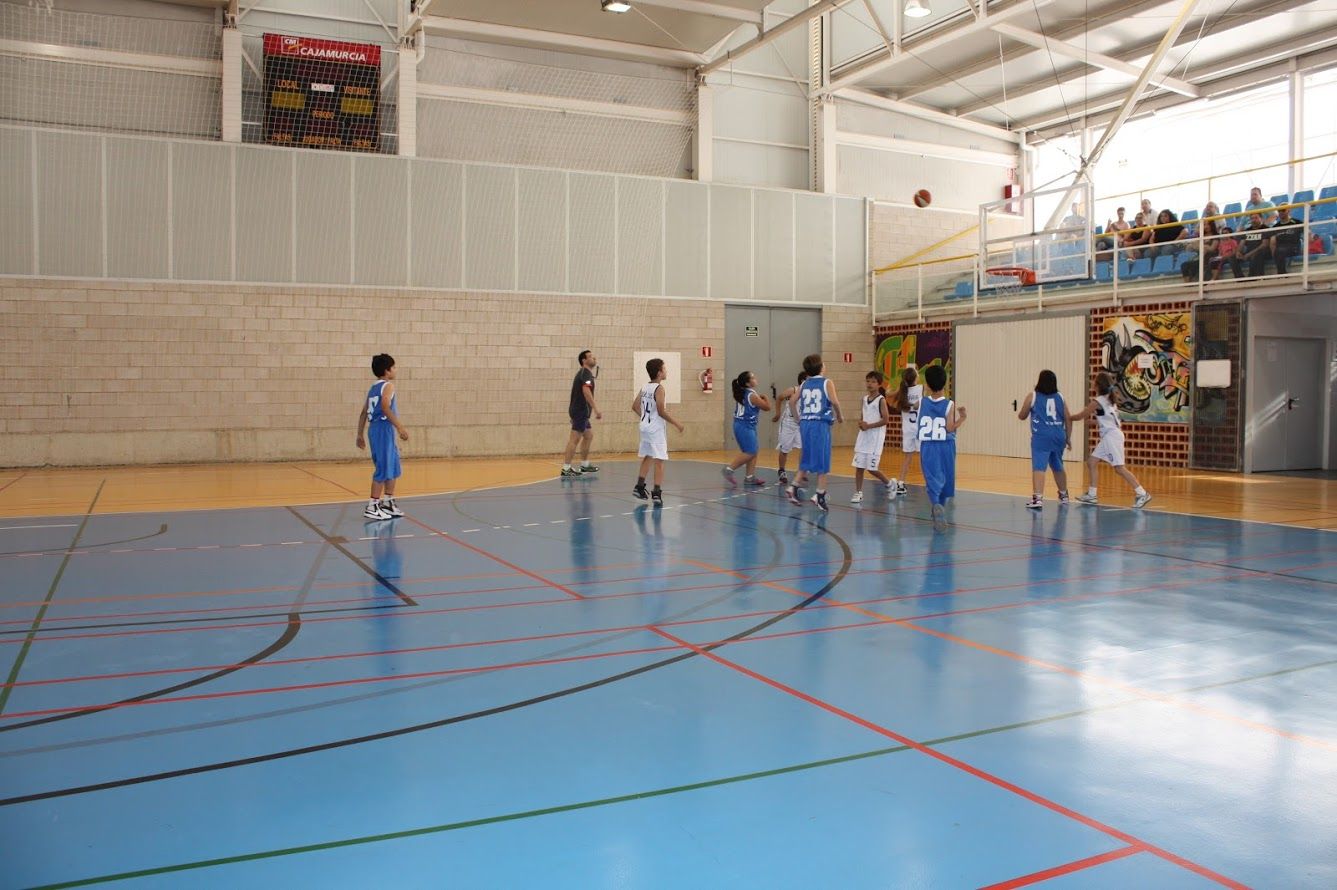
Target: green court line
[46, 603]
[644, 795]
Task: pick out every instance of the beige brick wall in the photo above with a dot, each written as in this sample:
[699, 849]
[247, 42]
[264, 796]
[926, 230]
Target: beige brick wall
[134, 373]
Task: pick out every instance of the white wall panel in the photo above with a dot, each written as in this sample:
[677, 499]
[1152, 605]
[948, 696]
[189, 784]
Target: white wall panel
[896, 176]
[324, 213]
[69, 203]
[730, 243]
[814, 248]
[773, 218]
[16, 197]
[201, 211]
[379, 246]
[640, 236]
[849, 252]
[437, 222]
[687, 215]
[593, 254]
[542, 230]
[489, 224]
[137, 200]
[264, 214]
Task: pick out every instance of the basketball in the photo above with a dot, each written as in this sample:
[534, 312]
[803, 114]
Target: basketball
[923, 198]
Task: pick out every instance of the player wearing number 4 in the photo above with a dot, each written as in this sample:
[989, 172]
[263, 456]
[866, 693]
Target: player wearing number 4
[1051, 434]
[817, 407]
[378, 410]
[748, 403]
[1105, 409]
[649, 406]
[939, 419]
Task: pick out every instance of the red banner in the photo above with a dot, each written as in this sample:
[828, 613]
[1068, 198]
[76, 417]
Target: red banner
[323, 50]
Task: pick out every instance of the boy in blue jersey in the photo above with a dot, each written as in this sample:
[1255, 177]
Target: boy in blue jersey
[816, 406]
[1051, 433]
[939, 419]
[378, 410]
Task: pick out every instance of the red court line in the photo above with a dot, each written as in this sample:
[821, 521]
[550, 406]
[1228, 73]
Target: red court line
[951, 761]
[12, 481]
[1059, 871]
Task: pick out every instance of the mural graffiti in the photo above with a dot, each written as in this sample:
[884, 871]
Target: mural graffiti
[896, 352]
[1149, 356]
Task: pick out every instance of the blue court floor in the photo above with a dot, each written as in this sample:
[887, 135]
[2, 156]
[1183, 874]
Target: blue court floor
[556, 685]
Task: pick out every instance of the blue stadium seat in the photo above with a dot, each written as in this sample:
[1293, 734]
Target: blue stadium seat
[1163, 264]
[1187, 217]
[1099, 230]
[1304, 195]
[1233, 207]
[1328, 191]
[1103, 271]
[1324, 211]
[1282, 199]
[963, 291]
[1327, 245]
[1327, 227]
[1140, 268]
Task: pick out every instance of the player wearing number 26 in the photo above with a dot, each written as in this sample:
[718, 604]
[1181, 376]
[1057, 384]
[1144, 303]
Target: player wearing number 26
[939, 419]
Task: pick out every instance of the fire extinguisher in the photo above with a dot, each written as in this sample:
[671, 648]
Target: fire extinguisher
[707, 378]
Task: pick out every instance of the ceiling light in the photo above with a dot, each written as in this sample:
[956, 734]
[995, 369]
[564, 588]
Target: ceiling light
[615, 5]
[917, 9]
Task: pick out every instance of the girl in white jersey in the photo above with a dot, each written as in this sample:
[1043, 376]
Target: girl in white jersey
[649, 407]
[872, 436]
[1105, 409]
[906, 401]
[789, 438]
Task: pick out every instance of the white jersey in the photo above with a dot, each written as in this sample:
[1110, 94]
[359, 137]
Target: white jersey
[652, 423]
[788, 423]
[910, 418]
[1107, 417]
[871, 441]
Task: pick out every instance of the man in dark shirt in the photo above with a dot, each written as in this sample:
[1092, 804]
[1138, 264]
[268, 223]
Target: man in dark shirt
[1286, 240]
[1253, 248]
[582, 406]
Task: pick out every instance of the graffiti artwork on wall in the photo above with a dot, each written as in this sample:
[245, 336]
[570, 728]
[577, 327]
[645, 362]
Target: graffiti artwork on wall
[1149, 356]
[896, 352]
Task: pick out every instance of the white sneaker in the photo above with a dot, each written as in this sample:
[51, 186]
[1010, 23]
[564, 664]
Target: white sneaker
[375, 512]
[1035, 503]
[857, 498]
[389, 506]
[1088, 499]
[1141, 500]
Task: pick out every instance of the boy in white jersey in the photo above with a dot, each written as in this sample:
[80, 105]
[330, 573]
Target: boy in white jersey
[789, 438]
[378, 412]
[1105, 409]
[872, 435]
[649, 407]
[908, 396]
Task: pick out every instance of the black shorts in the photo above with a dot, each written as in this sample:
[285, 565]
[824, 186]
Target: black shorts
[580, 423]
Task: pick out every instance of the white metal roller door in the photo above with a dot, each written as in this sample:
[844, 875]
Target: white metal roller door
[996, 364]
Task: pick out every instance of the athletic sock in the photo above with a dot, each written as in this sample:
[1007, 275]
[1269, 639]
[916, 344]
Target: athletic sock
[1139, 491]
[1091, 491]
[566, 466]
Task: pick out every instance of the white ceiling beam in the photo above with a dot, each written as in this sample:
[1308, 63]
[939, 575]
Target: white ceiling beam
[701, 7]
[926, 149]
[1097, 60]
[873, 100]
[798, 20]
[935, 41]
[478, 96]
[109, 58]
[489, 32]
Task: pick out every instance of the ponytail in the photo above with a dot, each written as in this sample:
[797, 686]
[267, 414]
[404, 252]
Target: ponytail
[739, 385]
[1104, 383]
[908, 378]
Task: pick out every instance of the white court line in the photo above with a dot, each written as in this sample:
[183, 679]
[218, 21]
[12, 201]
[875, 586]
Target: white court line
[14, 528]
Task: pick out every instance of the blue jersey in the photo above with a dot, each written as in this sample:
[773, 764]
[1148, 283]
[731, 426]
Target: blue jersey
[1047, 419]
[933, 414]
[376, 410]
[745, 412]
[813, 402]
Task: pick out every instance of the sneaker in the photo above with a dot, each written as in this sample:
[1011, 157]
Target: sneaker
[375, 512]
[727, 473]
[389, 506]
[754, 482]
[657, 497]
[640, 492]
[588, 468]
[891, 489]
[857, 498]
[1035, 503]
[939, 518]
[782, 478]
[568, 472]
[1088, 499]
[1063, 499]
[1141, 500]
[794, 493]
[900, 488]
[820, 500]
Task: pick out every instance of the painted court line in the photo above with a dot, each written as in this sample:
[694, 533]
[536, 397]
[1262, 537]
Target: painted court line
[1066, 869]
[15, 528]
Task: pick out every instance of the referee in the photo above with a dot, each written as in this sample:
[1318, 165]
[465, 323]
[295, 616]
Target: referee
[582, 406]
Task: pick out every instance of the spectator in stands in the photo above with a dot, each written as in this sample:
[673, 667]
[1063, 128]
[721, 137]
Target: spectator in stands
[1074, 219]
[1211, 256]
[1257, 203]
[1285, 243]
[1147, 212]
[1133, 239]
[1114, 238]
[1211, 210]
[1254, 248]
[1168, 230]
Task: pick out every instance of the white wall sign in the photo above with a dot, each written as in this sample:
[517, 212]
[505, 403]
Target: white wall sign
[672, 366]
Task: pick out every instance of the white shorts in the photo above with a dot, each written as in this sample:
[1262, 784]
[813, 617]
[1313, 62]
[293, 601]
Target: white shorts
[656, 448]
[867, 460]
[1110, 449]
[789, 440]
[910, 443]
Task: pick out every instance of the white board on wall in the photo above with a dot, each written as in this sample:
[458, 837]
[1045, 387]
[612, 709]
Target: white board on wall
[672, 367]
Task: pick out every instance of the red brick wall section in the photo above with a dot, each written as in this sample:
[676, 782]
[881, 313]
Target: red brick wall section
[1145, 444]
[886, 330]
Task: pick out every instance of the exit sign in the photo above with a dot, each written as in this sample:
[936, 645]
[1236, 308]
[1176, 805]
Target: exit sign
[849, 358]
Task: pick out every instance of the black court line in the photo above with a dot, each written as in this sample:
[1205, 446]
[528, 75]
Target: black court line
[380, 579]
[848, 557]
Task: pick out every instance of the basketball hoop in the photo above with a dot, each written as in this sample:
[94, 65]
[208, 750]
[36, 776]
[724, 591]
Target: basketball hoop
[1007, 281]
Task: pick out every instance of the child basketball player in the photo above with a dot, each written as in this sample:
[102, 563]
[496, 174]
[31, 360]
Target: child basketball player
[748, 403]
[872, 435]
[1051, 433]
[939, 419]
[817, 407]
[789, 438]
[906, 401]
[378, 411]
[1105, 410]
[649, 406]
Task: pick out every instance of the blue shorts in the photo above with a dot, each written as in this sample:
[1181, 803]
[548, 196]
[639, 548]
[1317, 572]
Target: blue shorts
[384, 452]
[746, 436]
[580, 423]
[816, 436]
[1046, 455]
[937, 461]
